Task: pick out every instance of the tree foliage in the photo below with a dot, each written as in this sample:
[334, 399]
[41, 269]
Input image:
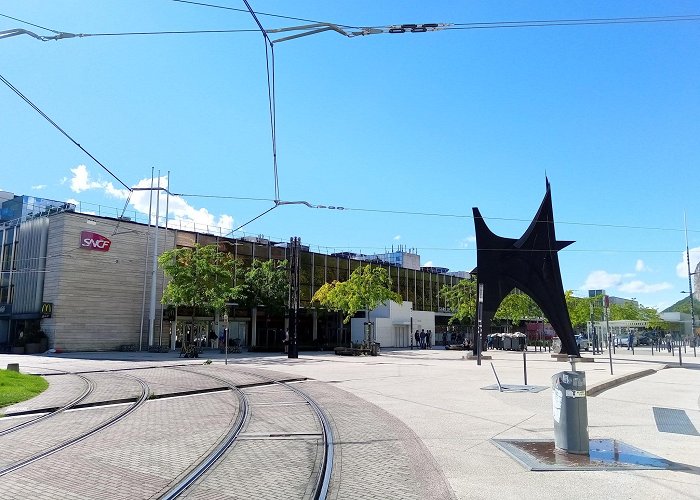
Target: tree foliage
[266, 283]
[366, 288]
[517, 306]
[579, 308]
[199, 276]
[461, 299]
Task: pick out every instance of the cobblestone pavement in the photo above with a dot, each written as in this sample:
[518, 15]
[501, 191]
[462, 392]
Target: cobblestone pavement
[62, 390]
[277, 455]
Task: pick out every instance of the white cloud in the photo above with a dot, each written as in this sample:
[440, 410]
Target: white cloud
[73, 201]
[180, 212]
[81, 182]
[467, 242]
[638, 286]
[641, 267]
[428, 264]
[601, 280]
[682, 266]
[397, 237]
[39, 187]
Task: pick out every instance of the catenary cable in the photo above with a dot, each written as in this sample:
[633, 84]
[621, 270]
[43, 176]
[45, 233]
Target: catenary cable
[45, 116]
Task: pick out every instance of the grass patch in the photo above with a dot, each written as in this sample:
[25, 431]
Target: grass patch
[16, 387]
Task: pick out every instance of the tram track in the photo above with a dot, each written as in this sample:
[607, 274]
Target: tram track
[225, 450]
[89, 388]
[145, 392]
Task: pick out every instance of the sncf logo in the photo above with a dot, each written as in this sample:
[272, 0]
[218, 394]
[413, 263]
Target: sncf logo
[94, 241]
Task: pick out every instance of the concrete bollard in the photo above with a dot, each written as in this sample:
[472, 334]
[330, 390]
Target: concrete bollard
[13, 367]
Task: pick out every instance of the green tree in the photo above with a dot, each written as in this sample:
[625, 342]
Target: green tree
[200, 276]
[515, 307]
[579, 309]
[366, 288]
[626, 310]
[266, 283]
[461, 300]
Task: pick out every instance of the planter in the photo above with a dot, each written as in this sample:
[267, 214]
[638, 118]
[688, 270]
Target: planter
[18, 350]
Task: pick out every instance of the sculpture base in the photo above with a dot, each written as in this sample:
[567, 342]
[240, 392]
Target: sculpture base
[565, 357]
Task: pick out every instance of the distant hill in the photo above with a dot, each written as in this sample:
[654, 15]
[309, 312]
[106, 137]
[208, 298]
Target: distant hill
[683, 306]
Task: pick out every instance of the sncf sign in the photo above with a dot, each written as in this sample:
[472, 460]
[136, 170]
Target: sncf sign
[94, 241]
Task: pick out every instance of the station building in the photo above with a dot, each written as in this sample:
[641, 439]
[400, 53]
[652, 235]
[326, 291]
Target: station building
[85, 281]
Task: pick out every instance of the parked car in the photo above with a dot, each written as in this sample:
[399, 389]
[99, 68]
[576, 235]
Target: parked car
[644, 340]
[583, 343]
[623, 341]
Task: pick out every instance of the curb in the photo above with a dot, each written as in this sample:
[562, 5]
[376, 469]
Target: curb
[596, 389]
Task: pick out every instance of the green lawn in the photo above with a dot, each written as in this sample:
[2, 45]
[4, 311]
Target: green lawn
[16, 387]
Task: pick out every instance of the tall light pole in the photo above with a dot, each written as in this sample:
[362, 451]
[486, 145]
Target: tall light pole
[690, 285]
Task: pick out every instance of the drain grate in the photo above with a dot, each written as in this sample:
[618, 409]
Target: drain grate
[674, 421]
[514, 388]
[605, 454]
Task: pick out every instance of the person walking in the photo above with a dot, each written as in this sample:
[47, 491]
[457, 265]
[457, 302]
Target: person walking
[417, 337]
[444, 339]
[630, 339]
[286, 341]
[428, 340]
[422, 339]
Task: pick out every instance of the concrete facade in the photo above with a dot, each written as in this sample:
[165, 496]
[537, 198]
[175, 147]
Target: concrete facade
[97, 295]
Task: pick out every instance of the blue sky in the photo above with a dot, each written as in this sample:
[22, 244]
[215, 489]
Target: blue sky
[428, 122]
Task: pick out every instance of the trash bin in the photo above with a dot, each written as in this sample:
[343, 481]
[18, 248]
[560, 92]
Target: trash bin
[508, 342]
[518, 341]
[570, 412]
[374, 349]
[499, 340]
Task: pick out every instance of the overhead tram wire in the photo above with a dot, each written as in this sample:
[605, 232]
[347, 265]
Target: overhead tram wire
[45, 116]
[202, 4]
[28, 23]
[269, 57]
[573, 22]
[426, 214]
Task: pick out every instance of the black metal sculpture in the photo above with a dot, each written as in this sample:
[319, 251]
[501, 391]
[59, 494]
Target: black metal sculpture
[529, 264]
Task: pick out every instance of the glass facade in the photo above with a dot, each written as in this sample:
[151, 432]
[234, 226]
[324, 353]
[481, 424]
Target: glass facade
[318, 327]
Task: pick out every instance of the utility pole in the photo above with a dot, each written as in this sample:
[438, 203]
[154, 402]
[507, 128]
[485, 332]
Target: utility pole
[295, 244]
[154, 271]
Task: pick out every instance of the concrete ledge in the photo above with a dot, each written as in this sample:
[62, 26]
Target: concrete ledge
[565, 357]
[596, 389]
[472, 356]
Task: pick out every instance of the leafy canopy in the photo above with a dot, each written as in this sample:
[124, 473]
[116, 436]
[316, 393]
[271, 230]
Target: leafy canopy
[199, 276]
[366, 288]
[266, 283]
[461, 299]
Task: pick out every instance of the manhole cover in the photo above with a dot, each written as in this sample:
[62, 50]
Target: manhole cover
[605, 454]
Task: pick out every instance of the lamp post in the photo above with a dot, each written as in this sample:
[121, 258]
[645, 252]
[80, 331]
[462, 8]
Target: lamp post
[690, 284]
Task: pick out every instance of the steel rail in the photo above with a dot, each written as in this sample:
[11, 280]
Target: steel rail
[241, 421]
[145, 392]
[326, 467]
[90, 387]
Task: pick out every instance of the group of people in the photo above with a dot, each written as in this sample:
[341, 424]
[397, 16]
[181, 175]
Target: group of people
[424, 339]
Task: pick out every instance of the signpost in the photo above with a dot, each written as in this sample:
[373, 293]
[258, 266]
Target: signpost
[226, 338]
[479, 313]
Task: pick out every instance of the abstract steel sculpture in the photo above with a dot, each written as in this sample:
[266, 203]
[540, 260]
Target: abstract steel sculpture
[529, 264]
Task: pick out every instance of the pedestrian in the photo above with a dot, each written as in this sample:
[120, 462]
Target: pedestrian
[417, 337]
[444, 338]
[286, 341]
[428, 341]
[422, 339]
[630, 339]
